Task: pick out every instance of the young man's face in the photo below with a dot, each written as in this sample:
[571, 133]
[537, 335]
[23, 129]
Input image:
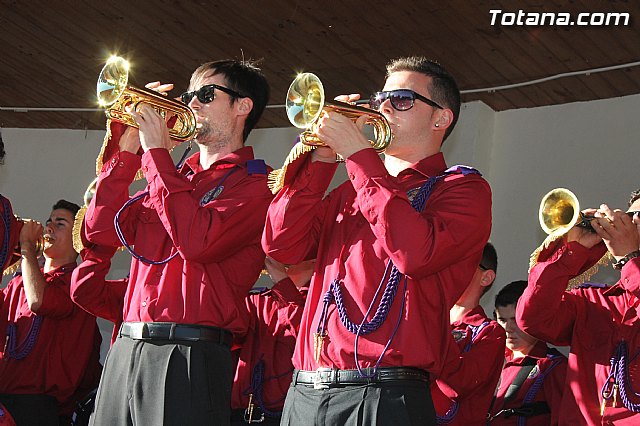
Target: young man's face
[58, 230]
[517, 340]
[216, 119]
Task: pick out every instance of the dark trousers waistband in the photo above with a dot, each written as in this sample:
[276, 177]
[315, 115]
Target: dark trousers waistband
[175, 332]
[324, 378]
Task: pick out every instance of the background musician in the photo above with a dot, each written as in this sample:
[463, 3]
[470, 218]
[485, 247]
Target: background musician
[52, 345]
[264, 370]
[531, 383]
[366, 236]
[462, 394]
[600, 323]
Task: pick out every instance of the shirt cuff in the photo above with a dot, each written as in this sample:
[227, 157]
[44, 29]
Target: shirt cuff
[156, 161]
[364, 165]
[123, 164]
[285, 291]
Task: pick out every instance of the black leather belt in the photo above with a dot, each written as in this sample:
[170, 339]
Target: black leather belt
[173, 331]
[324, 378]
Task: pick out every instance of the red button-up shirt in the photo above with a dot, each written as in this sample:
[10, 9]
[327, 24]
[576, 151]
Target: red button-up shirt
[273, 318]
[355, 230]
[593, 321]
[93, 292]
[218, 242]
[470, 378]
[64, 346]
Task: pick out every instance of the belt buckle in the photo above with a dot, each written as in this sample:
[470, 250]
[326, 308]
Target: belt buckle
[317, 378]
[138, 330]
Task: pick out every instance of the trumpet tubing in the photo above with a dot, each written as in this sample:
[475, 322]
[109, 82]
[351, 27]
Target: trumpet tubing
[116, 96]
[306, 101]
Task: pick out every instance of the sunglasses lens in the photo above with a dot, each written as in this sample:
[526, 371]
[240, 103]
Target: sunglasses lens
[377, 99]
[206, 94]
[401, 100]
[186, 97]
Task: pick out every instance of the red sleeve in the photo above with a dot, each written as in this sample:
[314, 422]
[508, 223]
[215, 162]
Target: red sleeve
[292, 228]
[202, 234]
[112, 191]
[56, 301]
[480, 367]
[92, 292]
[546, 310]
[451, 227]
[290, 306]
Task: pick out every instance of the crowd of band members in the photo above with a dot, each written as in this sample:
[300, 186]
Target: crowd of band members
[391, 332]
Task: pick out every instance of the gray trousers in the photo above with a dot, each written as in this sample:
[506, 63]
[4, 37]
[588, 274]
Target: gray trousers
[405, 402]
[164, 383]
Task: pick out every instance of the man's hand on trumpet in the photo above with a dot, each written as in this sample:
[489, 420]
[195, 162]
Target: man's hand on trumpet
[618, 231]
[341, 134]
[615, 227]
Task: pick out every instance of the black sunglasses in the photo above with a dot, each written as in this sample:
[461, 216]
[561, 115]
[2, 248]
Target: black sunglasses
[206, 94]
[401, 99]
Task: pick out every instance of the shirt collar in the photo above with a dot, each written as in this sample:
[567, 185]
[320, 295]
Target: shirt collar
[236, 158]
[61, 270]
[430, 166]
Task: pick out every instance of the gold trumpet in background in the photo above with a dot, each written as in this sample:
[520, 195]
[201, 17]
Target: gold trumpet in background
[116, 95]
[306, 101]
[16, 252]
[559, 212]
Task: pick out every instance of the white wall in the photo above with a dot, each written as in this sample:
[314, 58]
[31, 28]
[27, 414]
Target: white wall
[591, 148]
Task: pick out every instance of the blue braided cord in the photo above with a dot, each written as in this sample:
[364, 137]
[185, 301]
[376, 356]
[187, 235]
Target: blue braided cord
[6, 219]
[25, 348]
[447, 417]
[535, 388]
[373, 371]
[256, 388]
[620, 375]
[365, 327]
[475, 331]
[116, 223]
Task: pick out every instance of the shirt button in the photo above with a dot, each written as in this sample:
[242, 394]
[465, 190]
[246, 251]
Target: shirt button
[158, 274]
[144, 303]
[121, 164]
[570, 252]
[352, 176]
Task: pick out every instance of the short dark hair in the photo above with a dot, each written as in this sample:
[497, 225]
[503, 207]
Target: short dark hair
[245, 78]
[2, 152]
[510, 293]
[489, 261]
[634, 196]
[66, 205]
[444, 89]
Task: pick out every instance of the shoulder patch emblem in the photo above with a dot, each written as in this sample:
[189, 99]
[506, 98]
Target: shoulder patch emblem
[211, 195]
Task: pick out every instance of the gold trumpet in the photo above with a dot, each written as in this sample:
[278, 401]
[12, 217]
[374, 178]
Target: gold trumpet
[116, 95]
[14, 261]
[306, 101]
[559, 212]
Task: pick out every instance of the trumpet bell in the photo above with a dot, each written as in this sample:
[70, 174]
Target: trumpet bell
[306, 101]
[559, 211]
[114, 94]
